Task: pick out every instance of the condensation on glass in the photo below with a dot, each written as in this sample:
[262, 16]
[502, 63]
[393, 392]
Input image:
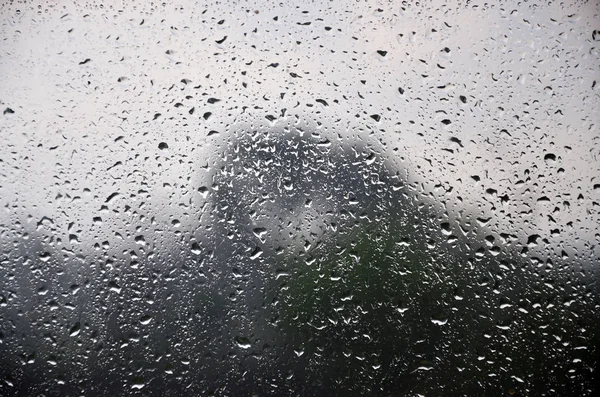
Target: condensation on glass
[330, 198]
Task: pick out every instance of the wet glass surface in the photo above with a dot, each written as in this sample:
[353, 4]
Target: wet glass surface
[337, 198]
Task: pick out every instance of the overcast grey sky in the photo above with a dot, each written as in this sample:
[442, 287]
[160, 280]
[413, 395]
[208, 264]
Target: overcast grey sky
[79, 77]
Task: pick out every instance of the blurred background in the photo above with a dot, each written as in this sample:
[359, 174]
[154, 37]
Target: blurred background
[337, 198]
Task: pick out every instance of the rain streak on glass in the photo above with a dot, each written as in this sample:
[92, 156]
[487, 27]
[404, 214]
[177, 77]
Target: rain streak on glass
[279, 199]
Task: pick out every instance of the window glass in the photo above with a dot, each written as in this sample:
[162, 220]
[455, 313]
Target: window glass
[277, 198]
